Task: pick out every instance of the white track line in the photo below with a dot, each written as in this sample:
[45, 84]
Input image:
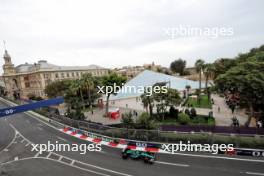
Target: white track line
[13, 140]
[173, 164]
[254, 173]
[36, 155]
[87, 170]
[89, 165]
[62, 139]
[48, 155]
[219, 157]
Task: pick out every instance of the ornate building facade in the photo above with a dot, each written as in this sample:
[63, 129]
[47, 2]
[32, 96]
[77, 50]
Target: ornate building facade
[31, 79]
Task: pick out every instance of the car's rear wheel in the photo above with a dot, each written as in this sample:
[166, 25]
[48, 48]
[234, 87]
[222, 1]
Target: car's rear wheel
[124, 156]
[146, 160]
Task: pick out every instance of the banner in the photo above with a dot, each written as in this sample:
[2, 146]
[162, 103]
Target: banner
[30, 106]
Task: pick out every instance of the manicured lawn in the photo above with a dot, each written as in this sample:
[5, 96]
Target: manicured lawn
[205, 103]
[198, 120]
[168, 121]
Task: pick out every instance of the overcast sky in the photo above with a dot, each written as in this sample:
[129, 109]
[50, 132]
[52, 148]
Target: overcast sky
[114, 33]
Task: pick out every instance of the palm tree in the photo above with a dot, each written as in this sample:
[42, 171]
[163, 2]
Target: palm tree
[188, 87]
[87, 82]
[199, 65]
[111, 80]
[148, 102]
[209, 73]
[76, 87]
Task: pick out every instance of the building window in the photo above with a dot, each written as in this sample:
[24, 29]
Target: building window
[46, 75]
[72, 74]
[26, 78]
[62, 75]
[27, 84]
[68, 75]
[56, 75]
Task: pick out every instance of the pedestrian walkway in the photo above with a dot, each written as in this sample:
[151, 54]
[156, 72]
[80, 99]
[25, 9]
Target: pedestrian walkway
[98, 116]
[223, 114]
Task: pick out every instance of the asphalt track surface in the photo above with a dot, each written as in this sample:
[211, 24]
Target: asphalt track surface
[18, 131]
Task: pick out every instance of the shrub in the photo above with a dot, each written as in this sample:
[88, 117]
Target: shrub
[145, 121]
[76, 115]
[193, 113]
[173, 112]
[127, 120]
[187, 111]
[200, 120]
[184, 118]
[211, 121]
[31, 96]
[38, 98]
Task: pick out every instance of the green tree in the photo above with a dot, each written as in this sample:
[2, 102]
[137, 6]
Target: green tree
[199, 65]
[72, 97]
[247, 81]
[209, 70]
[222, 65]
[148, 101]
[162, 100]
[173, 97]
[178, 66]
[110, 82]
[57, 88]
[88, 83]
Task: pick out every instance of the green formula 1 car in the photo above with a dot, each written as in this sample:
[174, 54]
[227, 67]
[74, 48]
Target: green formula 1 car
[147, 157]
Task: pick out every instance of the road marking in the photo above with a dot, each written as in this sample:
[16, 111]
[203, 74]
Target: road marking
[254, 173]
[173, 164]
[16, 158]
[22, 140]
[12, 142]
[90, 165]
[60, 158]
[48, 155]
[72, 163]
[37, 154]
[219, 157]
[87, 170]
[40, 128]
[62, 139]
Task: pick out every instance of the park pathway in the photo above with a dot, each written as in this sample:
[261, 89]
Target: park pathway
[223, 117]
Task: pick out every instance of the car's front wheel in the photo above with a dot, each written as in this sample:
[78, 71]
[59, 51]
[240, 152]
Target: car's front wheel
[151, 161]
